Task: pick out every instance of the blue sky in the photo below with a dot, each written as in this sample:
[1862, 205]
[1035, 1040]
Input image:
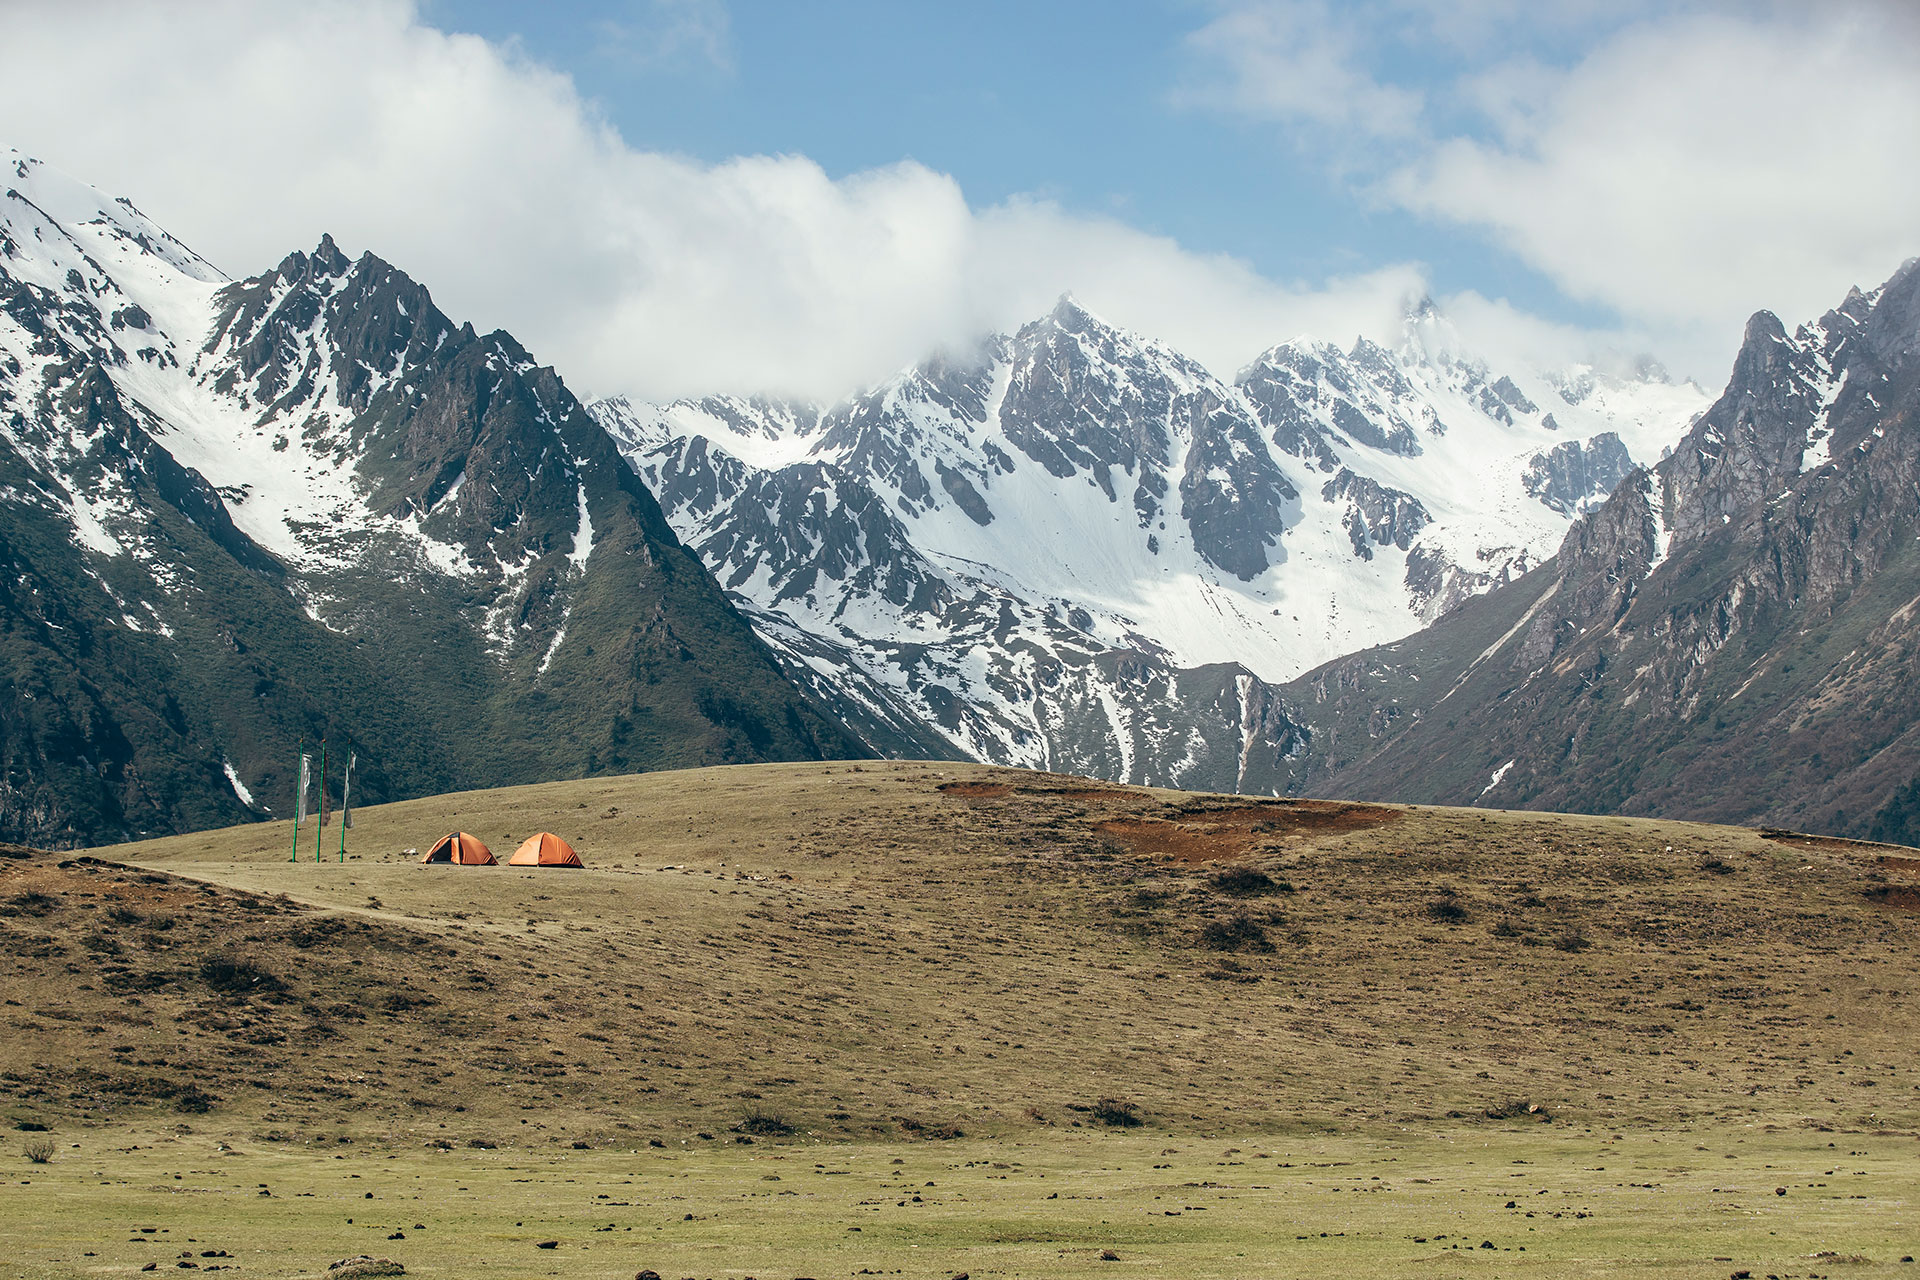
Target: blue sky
[1078, 101]
[681, 197]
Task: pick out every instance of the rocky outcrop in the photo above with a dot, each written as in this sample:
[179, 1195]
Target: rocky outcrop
[1376, 515]
[1569, 476]
[1233, 495]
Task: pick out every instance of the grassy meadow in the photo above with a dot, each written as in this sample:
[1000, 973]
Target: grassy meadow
[925, 1019]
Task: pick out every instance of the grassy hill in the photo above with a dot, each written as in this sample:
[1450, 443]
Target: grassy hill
[780, 971]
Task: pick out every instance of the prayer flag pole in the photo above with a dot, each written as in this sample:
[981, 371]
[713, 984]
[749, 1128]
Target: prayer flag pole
[320, 804]
[346, 804]
[299, 802]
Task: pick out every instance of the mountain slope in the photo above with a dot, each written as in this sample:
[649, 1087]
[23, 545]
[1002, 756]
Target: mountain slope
[239, 515]
[1730, 636]
[1077, 549]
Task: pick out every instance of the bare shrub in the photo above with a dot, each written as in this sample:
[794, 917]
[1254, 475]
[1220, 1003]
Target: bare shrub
[763, 1124]
[1238, 933]
[1244, 882]
[38, 1150]
[237, 976]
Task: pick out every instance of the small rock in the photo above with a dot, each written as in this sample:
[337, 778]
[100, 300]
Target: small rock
[1108, 1255]
[647, 1274]
[1779, 1191]
[548, 1244]
[364, 1267]
[1488, 1244]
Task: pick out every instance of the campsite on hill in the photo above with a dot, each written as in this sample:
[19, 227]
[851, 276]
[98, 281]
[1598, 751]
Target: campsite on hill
[703, 1052]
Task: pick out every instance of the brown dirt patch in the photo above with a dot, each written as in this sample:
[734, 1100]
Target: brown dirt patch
[1202, 834]
[977, 790]
[1900, 866]
[1898, 896]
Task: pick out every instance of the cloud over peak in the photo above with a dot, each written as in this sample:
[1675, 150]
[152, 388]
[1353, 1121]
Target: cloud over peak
[491, 179]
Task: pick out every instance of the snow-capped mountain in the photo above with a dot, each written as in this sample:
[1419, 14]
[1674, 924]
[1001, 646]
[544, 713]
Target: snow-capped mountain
[237, 514]
[1729, 637]
[1076, 548]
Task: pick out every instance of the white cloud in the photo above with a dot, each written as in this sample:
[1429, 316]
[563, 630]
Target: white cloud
[656, 32]
[250, 129]
[1682, 163]
[1295, 60]
[1689, 170]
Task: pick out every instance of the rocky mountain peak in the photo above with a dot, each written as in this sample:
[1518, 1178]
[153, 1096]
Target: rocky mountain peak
[1892, 324]
[330, 513]
[1068, 314]
[328, 260]
[1728, 637]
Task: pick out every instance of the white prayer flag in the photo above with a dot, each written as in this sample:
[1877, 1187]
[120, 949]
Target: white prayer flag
[346, 788]
[300, 796]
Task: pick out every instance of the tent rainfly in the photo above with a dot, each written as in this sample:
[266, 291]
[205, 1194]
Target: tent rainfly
[545, 850]
[460, 849]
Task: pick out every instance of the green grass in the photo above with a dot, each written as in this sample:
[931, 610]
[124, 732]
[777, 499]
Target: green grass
[1378, 1202]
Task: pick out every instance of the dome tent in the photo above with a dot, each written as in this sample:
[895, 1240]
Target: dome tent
[545, 850]
[460, 849]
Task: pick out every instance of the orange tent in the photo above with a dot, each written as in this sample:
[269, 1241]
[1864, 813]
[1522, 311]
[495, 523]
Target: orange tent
[461, 849]
[545, 850]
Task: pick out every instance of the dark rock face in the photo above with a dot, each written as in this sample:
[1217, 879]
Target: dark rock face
[1232, 495]
[1066, 410]
[1727, 637]
[797, 525]
[1749, 445]
[1566, 476]
[1287, 383]
[1501, 399]
[1376, 514]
